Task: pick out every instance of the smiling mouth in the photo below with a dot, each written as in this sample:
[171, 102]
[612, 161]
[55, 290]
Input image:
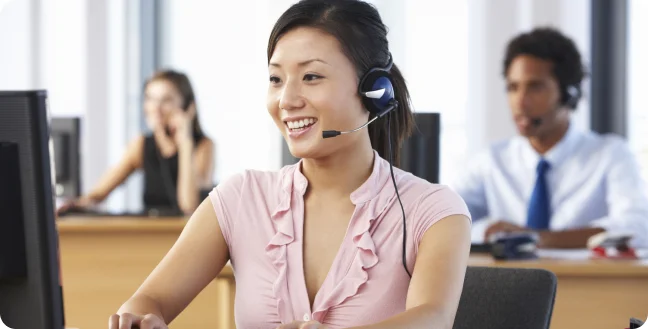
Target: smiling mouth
[300, 125]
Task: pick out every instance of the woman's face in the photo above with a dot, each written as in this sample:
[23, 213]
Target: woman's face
[312, 88]
[161, 99]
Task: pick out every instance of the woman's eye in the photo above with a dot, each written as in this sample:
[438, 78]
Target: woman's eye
[311, 77]
[274, 79]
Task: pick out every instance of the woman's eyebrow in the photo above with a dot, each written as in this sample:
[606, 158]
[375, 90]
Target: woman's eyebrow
[304, 63]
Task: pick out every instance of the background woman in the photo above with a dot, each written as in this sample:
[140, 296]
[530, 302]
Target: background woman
[176, 157]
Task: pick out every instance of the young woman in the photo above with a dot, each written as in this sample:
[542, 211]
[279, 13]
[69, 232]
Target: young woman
[320, 244]
[177, 158]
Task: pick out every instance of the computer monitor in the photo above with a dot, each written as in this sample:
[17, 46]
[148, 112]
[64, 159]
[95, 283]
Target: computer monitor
[66, 136]
[420, 153]
[30, 285]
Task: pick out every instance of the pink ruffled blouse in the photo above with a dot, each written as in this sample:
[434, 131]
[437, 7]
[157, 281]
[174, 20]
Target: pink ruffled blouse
[261, 216]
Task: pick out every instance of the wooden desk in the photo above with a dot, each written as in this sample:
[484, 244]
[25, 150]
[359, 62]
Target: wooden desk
[104, 260]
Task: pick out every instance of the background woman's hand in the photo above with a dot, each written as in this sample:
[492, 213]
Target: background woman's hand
[128, 321]
[76, 204]
[181, 122]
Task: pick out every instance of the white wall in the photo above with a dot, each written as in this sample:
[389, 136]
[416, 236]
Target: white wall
[63, 66]
[77, 51]
[637, 68]
[19, 40]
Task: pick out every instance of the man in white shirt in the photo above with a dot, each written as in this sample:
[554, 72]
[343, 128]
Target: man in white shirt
[564, 183]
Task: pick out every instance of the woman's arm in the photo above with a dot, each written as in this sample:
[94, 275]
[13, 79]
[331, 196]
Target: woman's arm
[438, 277]
[195, 171]
[199, 254]
[131, 161]
[115, 176]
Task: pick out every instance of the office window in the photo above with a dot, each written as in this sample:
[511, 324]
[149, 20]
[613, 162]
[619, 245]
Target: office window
[637, 97]
[437, 72]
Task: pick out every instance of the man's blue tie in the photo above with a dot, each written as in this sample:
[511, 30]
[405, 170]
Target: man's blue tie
[540, 204]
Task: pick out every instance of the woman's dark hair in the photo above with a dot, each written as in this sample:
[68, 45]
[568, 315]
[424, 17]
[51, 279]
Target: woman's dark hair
[181, 82]
[549, 44]
[363, 37]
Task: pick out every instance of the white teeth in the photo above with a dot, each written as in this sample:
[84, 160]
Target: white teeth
[300, 123]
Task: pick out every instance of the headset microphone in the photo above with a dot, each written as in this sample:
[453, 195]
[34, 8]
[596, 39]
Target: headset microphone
[333, 133]
[570, 97]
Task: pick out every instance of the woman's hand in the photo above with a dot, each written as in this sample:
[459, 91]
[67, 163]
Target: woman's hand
[128, 321]
[80, 203]
[181, 122]
[303, 325]
[502, 227]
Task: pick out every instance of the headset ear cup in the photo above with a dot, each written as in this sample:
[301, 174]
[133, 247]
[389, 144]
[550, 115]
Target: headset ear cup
[376, 79]
[571, 97]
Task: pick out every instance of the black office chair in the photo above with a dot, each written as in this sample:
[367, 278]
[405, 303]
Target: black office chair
[502, 298]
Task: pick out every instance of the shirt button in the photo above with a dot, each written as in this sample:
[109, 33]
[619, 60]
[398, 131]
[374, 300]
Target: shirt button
[306, 317]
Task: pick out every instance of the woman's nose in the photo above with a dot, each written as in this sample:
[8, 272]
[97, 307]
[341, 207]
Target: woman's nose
[291, 97]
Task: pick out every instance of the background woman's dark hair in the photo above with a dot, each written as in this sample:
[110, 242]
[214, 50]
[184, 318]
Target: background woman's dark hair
[181, 82]
[549, 44]
[363, 37]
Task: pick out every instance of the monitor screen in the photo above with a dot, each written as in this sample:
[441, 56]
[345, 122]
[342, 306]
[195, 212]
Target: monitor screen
[66, 133]
[30, 285]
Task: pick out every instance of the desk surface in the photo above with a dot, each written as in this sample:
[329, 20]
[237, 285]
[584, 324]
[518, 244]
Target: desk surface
[142, 225]
[104, 260]
[120, 224]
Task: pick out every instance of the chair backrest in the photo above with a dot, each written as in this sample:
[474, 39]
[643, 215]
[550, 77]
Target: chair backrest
[504, 298]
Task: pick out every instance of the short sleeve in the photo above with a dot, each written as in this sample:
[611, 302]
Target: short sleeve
[225, 198]
[436, 203]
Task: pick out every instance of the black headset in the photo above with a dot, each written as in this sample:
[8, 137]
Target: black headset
[377, 90]
[570, 96]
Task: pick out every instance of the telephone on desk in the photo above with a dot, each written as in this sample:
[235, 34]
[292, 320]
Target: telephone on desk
[509, 246]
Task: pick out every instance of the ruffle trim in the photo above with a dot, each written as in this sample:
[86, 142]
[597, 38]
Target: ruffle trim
[365, 258]
[276, 249]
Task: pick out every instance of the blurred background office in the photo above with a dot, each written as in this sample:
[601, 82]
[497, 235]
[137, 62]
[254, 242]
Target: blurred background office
[94, 55]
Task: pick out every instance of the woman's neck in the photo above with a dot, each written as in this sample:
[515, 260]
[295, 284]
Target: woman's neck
[341, 173]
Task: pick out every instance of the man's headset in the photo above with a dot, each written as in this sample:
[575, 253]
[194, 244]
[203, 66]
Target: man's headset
[569, 97]
[377, 91]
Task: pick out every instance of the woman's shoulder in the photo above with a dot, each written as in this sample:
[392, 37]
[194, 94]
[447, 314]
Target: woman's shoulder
[428, 194]
[249, 191]
[205, 141]
[259, 181]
